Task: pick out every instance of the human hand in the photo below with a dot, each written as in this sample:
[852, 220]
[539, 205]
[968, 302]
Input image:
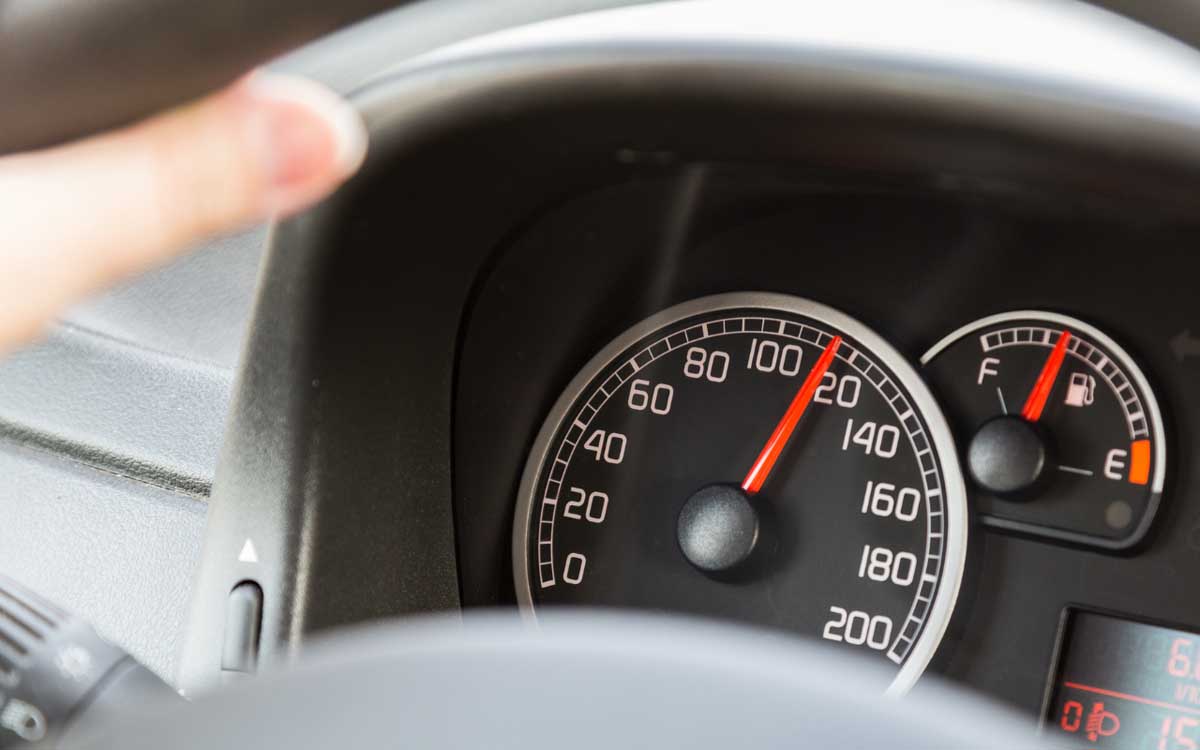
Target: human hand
[78, 217]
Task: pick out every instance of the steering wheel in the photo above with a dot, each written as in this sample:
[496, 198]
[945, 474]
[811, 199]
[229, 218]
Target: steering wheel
[584, 679]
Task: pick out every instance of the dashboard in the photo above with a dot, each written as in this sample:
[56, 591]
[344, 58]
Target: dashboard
[848, 330]
[956, 309]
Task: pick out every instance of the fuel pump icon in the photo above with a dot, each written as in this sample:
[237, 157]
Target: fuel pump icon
[1081, 390]
[1101, 723]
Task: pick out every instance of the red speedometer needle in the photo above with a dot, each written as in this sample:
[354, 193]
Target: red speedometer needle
[783, 431]
[1045, 382]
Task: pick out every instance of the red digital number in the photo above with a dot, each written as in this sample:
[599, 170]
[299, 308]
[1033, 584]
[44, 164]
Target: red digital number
[1072, 716]
[1174, 733]
[1180, 662]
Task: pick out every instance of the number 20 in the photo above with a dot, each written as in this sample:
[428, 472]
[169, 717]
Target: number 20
[596, 502]
[848, 387]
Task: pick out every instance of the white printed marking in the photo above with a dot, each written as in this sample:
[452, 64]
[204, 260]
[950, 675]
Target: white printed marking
[1074, 470]
[248, 553]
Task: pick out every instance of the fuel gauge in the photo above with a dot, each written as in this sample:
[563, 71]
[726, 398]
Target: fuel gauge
[1060, 433]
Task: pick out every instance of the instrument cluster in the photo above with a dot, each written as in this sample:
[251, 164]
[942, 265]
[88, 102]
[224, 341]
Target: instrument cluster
[949, 434]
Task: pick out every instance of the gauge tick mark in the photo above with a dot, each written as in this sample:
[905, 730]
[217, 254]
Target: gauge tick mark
[1075, 470]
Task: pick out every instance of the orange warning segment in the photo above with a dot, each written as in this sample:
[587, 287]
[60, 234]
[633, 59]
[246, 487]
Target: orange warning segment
[1139, 462]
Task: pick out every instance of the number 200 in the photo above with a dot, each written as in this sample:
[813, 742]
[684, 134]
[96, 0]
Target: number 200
[858, 628]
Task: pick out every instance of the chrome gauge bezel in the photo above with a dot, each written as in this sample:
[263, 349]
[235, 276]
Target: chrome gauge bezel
[954, 489]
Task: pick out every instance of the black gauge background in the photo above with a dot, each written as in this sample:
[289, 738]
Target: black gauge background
[912, 267]
[812, 531]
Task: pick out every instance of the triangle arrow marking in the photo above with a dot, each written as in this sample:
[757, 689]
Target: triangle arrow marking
[248, 553]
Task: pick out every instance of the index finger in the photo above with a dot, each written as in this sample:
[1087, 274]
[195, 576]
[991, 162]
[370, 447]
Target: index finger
[81, 216]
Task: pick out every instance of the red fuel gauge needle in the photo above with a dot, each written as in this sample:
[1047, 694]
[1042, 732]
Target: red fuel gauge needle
[1045, 382]
[783, 431]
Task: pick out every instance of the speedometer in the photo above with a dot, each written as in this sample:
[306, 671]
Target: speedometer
[755, 457]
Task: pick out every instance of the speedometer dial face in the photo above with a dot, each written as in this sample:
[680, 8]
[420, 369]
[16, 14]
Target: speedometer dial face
[754, 457]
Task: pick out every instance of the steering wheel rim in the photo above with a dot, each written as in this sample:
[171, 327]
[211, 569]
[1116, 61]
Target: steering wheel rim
[583, 678]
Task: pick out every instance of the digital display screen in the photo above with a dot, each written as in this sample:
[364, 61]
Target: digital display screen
[1124, 685]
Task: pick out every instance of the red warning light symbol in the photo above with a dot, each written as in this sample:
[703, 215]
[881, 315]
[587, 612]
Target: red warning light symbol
[1101, 723]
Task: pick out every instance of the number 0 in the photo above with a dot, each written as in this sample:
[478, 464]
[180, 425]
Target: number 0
[573, 568]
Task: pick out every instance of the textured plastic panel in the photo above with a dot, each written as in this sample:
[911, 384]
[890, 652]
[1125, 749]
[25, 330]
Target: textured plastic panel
[117, 407]
[118, 553]
[197, 308]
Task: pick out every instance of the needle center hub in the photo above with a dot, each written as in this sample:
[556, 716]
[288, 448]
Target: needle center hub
[717, 528]
[1007, 456]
